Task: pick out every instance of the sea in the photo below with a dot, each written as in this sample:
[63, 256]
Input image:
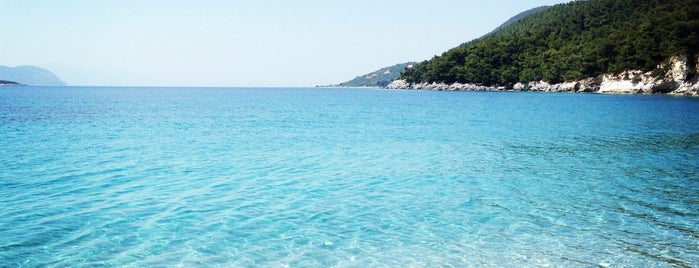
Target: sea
[346, 177]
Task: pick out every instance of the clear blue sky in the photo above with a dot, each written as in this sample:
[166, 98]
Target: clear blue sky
[237, 43]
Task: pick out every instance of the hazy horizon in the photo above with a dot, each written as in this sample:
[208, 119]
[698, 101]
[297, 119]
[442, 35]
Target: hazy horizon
[242, 43]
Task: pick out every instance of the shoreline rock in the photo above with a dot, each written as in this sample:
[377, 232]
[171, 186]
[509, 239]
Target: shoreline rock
[673, 82]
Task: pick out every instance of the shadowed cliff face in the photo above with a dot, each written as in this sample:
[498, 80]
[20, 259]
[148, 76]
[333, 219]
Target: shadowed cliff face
[30, 75]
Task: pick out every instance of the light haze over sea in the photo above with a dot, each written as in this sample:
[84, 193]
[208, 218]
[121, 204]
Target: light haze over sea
[237, 43]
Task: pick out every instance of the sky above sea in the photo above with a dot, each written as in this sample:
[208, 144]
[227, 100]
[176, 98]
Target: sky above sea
[237, 43]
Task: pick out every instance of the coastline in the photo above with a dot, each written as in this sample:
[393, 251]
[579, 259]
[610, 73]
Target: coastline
[674, 82]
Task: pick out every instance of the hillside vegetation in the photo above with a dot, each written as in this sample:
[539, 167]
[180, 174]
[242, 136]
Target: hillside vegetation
[518, 17]
[571, 42]
[379, 78]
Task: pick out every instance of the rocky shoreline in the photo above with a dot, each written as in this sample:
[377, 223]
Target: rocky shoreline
[676, 81]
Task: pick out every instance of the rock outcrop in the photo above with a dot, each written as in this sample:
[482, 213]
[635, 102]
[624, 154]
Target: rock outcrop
[679, 79]
[402, 84]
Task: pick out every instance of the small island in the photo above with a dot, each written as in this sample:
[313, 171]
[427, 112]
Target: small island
[28, 75]
[9, 83]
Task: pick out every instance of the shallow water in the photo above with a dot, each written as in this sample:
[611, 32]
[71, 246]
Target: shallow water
[346, 177]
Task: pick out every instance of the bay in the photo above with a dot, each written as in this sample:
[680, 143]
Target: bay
[307, 177]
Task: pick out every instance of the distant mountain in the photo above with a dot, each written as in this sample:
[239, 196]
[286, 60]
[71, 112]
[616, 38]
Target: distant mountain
[30, 75]
[379, 78]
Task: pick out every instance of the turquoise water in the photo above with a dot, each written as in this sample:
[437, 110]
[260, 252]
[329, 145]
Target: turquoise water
[305, 177]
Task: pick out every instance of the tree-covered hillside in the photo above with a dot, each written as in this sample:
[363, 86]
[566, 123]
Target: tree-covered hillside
[518, 17]
[570, 42]
[379, 78]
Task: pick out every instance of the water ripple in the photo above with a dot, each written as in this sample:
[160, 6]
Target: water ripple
[346, 178]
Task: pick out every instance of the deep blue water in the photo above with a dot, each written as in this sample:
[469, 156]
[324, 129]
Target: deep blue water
[346, 177]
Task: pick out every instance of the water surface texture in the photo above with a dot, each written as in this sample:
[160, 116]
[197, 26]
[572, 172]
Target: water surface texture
[305, 177]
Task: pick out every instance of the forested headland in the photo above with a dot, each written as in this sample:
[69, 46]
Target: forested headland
[572, 41]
